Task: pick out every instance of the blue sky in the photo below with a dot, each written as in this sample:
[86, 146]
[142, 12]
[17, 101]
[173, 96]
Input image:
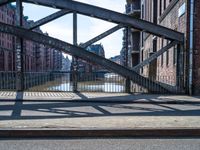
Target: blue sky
[87, 27]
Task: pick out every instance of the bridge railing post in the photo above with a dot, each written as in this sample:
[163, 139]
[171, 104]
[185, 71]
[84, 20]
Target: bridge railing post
[75, 59]
[19, 49]
[127, 81]
[74, 75]
[128, 85]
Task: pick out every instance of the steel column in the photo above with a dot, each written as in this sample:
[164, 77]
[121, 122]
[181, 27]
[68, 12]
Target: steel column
[74, 58]
[49, 18]
[19, 48]
[112, 16]
[127, 82]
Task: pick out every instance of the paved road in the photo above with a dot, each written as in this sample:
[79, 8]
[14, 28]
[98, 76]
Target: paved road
[100, 144]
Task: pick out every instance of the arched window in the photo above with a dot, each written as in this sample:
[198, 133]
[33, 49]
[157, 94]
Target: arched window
[10, 60]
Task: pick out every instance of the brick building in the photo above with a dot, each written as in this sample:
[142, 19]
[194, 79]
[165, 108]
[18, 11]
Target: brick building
[7, 15]
[66, 63]
[116, 59]
[38, 57]
[131, 39]
[85, 66]
[173, 14]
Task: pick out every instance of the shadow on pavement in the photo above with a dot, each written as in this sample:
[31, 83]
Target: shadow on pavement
[28, 110]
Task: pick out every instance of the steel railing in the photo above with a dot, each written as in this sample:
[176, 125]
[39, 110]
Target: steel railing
[7, 80]
[86, 82]
[170, 82]
[63, 81]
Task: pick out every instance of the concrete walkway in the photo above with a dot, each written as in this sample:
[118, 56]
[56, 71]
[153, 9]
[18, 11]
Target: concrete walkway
[98, 111]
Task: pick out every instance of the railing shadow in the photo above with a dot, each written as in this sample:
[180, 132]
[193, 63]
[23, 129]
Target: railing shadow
[30, 110]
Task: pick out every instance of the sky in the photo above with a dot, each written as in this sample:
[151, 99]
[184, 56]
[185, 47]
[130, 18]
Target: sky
[87, 27]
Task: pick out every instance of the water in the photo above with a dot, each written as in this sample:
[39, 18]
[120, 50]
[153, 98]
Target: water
[90, 87]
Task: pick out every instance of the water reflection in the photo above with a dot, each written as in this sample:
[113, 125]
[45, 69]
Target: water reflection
[90, 86]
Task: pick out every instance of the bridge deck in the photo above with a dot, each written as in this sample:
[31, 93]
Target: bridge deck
[98, 115]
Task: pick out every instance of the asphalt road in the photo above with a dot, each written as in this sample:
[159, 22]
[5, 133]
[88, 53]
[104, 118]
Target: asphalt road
[100, 144]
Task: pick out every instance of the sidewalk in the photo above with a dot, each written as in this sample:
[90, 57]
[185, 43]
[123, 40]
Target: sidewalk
[99, 111]
[99, 97]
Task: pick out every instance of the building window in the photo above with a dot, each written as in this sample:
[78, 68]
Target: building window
[2, 61]
[10, 61]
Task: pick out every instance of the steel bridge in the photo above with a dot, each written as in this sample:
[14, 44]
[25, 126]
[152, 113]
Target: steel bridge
[78, 51]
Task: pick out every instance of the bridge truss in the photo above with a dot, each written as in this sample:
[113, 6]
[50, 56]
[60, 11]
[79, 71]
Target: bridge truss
[122, 21]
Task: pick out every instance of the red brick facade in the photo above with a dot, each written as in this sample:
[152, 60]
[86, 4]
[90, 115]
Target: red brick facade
[173, 14]
[7, 15]
[166, 65]
[38, 57]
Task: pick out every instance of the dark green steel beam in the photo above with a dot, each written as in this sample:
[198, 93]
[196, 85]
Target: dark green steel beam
[49, 18]
[112, 16]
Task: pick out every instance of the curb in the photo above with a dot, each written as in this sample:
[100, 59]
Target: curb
[48, 133]
[102, 101]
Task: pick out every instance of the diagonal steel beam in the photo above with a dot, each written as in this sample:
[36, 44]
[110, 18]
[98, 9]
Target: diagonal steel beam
[6, 49]
[154, 56]
[83, 54]
[112, 16]
[101, 36]
[4, 2]
[49, 18]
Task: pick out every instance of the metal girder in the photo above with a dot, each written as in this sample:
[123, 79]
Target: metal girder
[74, 58]
[112, 16]
[154, 56]
[49, 18]
[83, 54]
[5, 49]
[4, 2]
[101, 36]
